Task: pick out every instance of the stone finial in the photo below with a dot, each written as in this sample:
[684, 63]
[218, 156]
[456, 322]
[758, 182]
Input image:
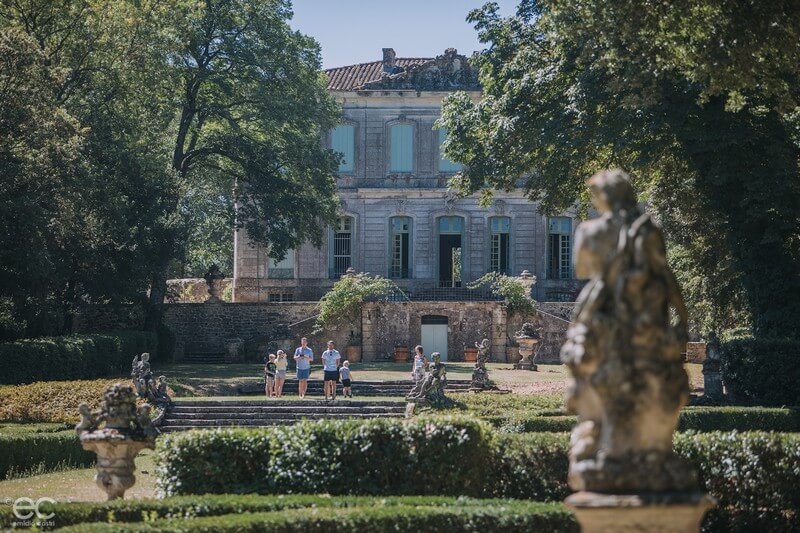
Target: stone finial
[350, 272]
[628, 386]
[388, 59]
[527, 280]
[214, 278]
[116, 432]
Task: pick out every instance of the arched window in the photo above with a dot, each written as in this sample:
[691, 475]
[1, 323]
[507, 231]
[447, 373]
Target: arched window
[401, 140]
[342, 246]
[500, 244]
[343, 141]
[445, 165]
[400, 247]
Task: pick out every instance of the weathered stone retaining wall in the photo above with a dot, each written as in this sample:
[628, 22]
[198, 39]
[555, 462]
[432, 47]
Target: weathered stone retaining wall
[246, 331]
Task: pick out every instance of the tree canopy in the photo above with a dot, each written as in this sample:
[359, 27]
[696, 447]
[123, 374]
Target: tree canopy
[698, 101]
[126, 130]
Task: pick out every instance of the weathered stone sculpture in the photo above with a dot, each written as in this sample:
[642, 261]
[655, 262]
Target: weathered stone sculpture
[214, 278]
[126, 431]
[154, 392]
[712, 378]
[628, 378]
[480, 375]
[527, 338]
[430, 389]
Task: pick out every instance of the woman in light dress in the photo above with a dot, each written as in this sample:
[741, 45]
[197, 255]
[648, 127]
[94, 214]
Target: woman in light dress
[281, 366]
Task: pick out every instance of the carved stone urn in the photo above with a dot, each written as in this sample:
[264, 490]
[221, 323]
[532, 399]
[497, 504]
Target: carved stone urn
[127, 430]
[527, 338]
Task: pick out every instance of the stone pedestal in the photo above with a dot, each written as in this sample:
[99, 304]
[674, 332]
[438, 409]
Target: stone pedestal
[669, 512]
[712, 384]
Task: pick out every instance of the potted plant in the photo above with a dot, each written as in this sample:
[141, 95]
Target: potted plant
[353, 350]
[470, 354]
[401, 354]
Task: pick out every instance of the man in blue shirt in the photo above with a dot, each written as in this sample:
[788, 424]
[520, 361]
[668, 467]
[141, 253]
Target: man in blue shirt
[330, 359]
[303, 356]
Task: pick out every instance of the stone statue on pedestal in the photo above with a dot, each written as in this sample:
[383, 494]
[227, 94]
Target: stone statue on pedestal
[214, 278]
[430, 389]
[480, 375]
[624, 353]
[712, 377]
[155, 392]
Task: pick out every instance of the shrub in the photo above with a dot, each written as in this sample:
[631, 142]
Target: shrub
[50, 401]
[342, 303]
[762, 371]
[691, 419]
[39, 448]
[461, 512]
[380, 456]
[508, 404]
[73, 356]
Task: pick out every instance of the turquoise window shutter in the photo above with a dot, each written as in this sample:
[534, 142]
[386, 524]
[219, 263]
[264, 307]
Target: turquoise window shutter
[402, 143]
[445, 165]
[343, 140]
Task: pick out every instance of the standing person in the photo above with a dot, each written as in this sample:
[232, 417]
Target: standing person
[330, 358]
[419, 364]
[303, 356]
[269, 376]
[344, 372]
[281, 364]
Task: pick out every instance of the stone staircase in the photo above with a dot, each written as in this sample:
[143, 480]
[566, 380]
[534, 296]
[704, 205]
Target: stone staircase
[203, 358]
[360, 388]
[191, 414]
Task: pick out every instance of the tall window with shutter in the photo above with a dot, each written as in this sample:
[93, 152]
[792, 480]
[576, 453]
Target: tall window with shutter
[559, 260]
[400, 266]
[342, 246]
[343, 141]
[499, 244]
[401, 141]
[445, 165]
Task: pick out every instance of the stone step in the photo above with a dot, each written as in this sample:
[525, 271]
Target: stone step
[210, 420]
[239, 413]
[308, 402]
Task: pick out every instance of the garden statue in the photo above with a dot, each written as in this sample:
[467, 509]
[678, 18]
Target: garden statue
[712, 378]
[480, 375]
[214, 278]
[154, 392]
[527, 338]
[430, 389]
[628, 384]
[126, 431]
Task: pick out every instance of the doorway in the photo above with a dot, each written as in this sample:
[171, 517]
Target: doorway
[434, 335]
[451, 264]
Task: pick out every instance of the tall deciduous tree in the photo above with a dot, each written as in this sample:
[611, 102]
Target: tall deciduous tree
[698, 100]
[252, 106]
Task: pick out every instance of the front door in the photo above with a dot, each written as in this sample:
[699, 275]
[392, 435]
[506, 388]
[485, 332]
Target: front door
[434, 335]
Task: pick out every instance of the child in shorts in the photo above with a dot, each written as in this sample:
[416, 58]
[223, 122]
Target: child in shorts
[269, 376]
[344, 373]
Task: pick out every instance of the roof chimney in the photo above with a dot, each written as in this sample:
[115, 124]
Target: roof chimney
[388, 59]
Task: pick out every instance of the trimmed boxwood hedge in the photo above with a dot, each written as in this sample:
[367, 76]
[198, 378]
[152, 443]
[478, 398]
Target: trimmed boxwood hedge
[753, 475]
[72, 356]
[39, 449]
[219, 512]
[380, 456]
[762, 371]
[691, 419]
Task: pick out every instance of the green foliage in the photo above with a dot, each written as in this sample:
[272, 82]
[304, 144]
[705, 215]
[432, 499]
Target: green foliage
[342, 304]
[73, 356]
[709, 133]
[509, 288]
[50, 401]
[384, 455]
[762, 371]
[39, 448]
[293, 513]
[483, 405]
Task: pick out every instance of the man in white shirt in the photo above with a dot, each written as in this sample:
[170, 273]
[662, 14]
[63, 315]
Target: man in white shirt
[303, 356]
[330, 360]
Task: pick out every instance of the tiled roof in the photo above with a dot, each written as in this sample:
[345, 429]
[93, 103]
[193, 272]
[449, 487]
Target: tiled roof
[352, 77]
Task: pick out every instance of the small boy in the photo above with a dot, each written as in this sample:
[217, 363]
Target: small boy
[344, 372]
[269, 376]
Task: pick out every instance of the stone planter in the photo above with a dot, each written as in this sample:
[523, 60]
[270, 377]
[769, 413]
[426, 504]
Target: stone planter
[401, 354]
[353, 354]
[470, 355]
[527, 348]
